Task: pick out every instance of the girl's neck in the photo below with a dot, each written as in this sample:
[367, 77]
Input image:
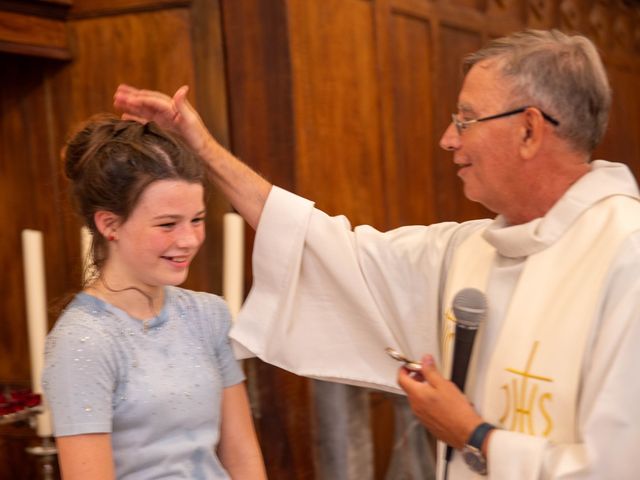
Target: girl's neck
[140, 303]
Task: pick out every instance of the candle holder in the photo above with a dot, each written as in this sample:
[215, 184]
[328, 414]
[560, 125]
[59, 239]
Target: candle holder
[45, 454]
[23, 406]
[24, 415]
[18, 405]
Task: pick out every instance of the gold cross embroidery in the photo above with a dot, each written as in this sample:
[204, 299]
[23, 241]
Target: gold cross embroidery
[522, 410]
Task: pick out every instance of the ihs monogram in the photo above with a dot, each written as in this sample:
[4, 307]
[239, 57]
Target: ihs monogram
[523, 402]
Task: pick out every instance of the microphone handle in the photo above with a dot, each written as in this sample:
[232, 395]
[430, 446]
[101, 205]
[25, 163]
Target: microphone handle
[462, 355]
[463, 346]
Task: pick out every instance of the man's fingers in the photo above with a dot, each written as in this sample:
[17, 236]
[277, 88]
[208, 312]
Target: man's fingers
[430, 371]
[406, 381]
[124, 88]
[183, 106]
[411, 381]
[143, 103]
[127, 116]
[181, 95]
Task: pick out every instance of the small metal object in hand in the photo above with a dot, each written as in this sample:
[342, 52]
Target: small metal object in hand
[410, 365]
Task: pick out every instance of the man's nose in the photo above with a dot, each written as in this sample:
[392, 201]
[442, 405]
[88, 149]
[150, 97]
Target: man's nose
[450, 140]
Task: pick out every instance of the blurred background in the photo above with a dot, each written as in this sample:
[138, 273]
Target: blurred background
[355, 93]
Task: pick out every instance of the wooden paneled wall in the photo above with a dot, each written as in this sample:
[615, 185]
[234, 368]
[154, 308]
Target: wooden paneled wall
[343, 101]
[43, 93]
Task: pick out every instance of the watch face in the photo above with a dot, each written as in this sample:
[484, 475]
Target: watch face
[474, 460]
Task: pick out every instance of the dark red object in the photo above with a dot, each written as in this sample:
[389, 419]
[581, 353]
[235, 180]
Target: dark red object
[17, 400]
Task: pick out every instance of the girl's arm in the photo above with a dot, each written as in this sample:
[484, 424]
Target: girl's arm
[86, 457]
[239, 450]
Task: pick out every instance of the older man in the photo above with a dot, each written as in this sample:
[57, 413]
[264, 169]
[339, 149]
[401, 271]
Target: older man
[551, 391]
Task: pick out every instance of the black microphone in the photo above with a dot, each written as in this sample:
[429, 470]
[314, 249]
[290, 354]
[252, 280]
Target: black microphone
[469, 308]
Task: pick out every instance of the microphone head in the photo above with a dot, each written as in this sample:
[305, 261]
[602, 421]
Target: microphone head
[469, 308]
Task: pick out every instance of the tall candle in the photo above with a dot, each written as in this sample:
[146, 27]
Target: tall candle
[233, 261]
[36, 299]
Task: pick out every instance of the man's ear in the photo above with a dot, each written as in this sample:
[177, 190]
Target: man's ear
[533, 131]
[107, 224]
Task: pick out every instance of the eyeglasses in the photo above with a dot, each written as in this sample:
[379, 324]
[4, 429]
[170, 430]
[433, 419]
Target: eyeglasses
[461, 125]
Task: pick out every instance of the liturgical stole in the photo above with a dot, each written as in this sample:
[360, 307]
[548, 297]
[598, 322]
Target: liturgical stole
[532, 385]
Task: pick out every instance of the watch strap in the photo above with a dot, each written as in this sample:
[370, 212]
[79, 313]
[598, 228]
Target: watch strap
[479, 434]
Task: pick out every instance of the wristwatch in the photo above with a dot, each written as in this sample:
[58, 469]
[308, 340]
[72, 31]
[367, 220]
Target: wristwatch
[472, 451]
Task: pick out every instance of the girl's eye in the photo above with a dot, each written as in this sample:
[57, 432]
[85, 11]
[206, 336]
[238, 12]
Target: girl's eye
[198, 220]
[167, 225]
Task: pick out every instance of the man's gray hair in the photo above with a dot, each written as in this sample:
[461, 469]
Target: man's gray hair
[560, 74]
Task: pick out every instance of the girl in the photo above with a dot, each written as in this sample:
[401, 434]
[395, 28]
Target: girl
[139, 373]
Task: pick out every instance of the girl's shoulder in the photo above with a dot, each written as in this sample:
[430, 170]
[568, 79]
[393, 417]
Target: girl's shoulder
[204, 300]
[84, 312]
[201, 305]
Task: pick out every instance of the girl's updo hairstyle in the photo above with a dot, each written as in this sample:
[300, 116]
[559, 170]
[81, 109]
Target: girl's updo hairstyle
[110, 162]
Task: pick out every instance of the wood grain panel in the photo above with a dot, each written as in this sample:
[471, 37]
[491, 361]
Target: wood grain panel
[210, 97]
[209, 62]
[54, 9]
[541, 14]
[336, 107]
[505, 15]
[572, 15]
[261, 132]
[152, 50]
[622, 140]
[259, 84]
[479, 5]
[409, 165]
[337, 115]
[453, 45]
[32, 35]
[93, 8]
[29, 198]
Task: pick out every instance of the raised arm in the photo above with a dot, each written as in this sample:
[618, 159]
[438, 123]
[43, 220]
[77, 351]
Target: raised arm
[245, 189]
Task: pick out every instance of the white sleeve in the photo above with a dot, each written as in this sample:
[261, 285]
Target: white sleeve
[326, 300]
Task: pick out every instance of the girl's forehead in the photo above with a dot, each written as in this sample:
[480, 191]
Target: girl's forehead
[170, 194]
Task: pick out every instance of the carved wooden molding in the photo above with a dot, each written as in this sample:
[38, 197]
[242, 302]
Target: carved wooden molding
[540, 13]
[101, 8]
[622, 31]
[599, 19]
[570, 15]
[32, 35]
[40, 8]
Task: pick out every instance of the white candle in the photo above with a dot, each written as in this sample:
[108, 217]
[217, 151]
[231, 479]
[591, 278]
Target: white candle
[233, 261]
[85, 246]
[36, 299]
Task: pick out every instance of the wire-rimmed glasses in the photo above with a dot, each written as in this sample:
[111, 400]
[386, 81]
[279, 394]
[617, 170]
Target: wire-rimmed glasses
[462, 125]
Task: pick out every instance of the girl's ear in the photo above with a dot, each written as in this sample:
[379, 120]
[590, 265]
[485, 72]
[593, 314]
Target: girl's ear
[107, 224]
